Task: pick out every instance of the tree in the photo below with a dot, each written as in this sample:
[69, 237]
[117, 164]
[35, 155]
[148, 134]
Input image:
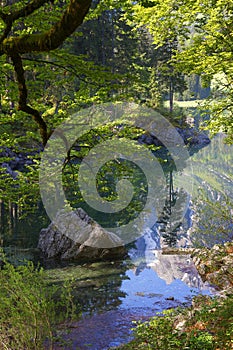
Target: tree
[165, 81]
[104, 60]
[204, 30]
[16, 39]
[36, 49]
[88, 68]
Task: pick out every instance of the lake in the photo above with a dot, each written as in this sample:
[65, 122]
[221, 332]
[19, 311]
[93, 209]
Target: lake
[111, 295]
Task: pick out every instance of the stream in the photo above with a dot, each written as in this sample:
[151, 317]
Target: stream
[111, 295]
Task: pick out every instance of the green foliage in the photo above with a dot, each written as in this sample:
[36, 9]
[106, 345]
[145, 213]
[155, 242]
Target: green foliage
[22, 190]
[204, 31]
[108, 175]
[213, 223]
[30, 307]
[209, 327]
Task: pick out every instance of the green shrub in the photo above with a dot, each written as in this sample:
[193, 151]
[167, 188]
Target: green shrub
[29, 307]
[210, 327]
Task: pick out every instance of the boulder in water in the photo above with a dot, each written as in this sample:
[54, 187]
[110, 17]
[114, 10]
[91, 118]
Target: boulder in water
[80, 238]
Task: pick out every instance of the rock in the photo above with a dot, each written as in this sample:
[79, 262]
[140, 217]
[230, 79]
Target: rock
[202, 269]
[13, 161]
[180, 325]
[215, 265]
[229, 248]
[81, 239]
[195, 140]
[17, 161]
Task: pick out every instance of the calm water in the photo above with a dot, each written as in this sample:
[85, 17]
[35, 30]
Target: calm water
[113, 294]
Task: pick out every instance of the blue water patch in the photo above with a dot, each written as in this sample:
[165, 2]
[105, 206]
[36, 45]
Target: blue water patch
[148, 290]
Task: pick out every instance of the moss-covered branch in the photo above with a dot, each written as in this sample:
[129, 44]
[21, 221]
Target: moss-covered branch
[54, 37]
[15, 46]
[10, 18]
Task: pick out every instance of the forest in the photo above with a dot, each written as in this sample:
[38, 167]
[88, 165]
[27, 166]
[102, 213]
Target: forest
[120, 67]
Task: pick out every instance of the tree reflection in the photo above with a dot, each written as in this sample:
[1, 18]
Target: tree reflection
[170, 220]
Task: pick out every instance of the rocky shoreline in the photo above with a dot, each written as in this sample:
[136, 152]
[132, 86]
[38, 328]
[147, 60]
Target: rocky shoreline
[207, 323]
[14, 161]
[214, 265]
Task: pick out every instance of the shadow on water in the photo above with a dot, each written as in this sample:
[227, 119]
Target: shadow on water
[18, 230]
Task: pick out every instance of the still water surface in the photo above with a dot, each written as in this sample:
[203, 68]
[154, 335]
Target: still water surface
[113, 294]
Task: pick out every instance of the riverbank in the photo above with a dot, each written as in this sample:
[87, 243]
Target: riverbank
[208, 323]
[216, 266]
[112, 327]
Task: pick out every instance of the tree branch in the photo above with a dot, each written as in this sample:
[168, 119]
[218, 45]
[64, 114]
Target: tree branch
[65, 68]
[24, 12]
[53, 38]
[31, 7]
[14, 46]
[22, 102]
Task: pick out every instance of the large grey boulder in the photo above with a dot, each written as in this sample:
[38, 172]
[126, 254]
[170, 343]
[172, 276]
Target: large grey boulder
[79, 238]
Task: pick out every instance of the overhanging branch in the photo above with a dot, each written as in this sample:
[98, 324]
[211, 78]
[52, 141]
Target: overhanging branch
[22, 102]
[53, 38]
[15, 46]
[24, 12]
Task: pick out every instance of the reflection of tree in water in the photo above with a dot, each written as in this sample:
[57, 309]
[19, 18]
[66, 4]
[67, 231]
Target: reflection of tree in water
[102, 292]
[170, 220]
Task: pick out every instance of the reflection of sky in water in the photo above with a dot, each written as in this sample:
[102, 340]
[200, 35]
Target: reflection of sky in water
[147, 289]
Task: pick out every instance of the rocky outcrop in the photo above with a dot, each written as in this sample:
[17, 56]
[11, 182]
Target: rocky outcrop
[215, 266]
[81, 239]
[15, 161]
[193, 139]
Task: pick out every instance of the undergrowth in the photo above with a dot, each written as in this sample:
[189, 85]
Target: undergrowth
[207, 327]
[30, 307]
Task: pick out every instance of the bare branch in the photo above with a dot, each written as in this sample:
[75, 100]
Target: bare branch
[22, 102]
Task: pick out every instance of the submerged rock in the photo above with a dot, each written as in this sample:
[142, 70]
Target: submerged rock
[79, 238]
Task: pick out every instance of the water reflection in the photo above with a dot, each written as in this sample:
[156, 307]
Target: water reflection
[149, 281]
[151, 290]
[103, 286]
[115, 294]
[96, 286]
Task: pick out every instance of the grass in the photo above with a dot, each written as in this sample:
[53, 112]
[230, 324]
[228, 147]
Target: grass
[30, 307]
[185, 104]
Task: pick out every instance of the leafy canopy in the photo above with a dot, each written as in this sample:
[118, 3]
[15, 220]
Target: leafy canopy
[205, 35]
